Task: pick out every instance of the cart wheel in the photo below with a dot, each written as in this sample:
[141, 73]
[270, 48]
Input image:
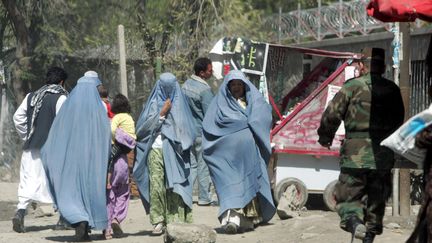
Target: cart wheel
[329, 197]
[301, 194]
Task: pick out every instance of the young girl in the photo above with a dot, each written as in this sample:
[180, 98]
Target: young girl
[123, 138]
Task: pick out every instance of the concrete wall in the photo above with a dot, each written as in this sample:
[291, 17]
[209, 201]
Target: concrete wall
[420, 39]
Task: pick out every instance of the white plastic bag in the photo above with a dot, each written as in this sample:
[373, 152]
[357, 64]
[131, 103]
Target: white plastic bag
[402, 141]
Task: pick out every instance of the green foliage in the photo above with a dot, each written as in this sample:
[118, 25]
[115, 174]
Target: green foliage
[241, 19]
[186, 29]
[177, 31]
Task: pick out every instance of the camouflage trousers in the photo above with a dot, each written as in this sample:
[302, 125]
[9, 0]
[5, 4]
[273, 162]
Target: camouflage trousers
[363, 193]
[166, 206]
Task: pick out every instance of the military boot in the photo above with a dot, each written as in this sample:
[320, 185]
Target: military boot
[369, 237]
[356, 227]
[18, 221]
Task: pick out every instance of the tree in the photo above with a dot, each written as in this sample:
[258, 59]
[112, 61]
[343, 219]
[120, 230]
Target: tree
[23, 50]
[177, 34]
[46, 31]
[173, 32]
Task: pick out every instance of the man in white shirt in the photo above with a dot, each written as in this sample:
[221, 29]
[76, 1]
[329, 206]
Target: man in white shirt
[33, 120]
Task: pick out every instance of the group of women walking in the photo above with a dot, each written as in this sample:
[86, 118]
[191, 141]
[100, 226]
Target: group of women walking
[236, 148]
[236, 143]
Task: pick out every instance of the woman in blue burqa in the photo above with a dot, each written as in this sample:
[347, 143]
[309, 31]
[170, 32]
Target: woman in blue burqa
[236, 143]
[75, 158]
[165, 133]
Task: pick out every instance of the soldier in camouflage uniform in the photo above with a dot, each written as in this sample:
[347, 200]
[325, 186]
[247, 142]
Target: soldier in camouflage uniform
[371, 108]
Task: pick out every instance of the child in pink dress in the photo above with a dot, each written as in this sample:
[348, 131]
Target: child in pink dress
[123, 134]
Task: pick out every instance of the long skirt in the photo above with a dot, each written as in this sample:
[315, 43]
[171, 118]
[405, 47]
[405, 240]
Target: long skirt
[166, 206]
[118, 195]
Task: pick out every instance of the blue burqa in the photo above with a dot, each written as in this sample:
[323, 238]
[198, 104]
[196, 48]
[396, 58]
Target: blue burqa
[178, 134]
[75, 156]
[236, 145]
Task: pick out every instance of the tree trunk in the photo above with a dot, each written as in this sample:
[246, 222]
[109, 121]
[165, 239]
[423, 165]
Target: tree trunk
[21, 68]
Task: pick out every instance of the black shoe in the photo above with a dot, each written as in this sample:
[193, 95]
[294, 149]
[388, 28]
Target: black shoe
[81, 231]
[356, 227]
[369, 237]
[18, 221]
[211, 203]
[231, 228]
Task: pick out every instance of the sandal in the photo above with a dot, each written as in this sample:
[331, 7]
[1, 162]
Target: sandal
[107, 234]
[158, 229]
[118, 232]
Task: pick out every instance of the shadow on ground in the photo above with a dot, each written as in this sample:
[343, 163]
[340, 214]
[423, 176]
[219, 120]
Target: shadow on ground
[97, 236]
[315, 202]
[220, 230]
[32, 228]
[140, 233]
[71, 238]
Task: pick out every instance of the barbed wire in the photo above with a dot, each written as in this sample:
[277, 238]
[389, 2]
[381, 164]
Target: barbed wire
[335, 20]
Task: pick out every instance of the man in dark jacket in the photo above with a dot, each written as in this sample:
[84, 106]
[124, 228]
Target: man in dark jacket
[33, 120]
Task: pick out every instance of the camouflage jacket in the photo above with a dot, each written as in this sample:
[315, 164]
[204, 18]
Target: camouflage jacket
[371, 108]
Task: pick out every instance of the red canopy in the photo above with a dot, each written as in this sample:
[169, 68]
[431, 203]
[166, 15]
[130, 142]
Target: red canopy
[400, 10]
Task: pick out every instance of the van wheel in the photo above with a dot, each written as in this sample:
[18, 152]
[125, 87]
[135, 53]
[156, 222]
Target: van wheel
[299, 194]
[329, 196]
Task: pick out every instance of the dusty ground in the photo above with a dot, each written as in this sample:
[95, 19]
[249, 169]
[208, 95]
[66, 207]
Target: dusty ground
[314, 225]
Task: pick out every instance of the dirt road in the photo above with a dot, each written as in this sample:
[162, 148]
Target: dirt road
[312, 226]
